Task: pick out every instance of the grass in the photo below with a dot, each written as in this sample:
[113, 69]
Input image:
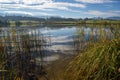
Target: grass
[99, 61]
[17, 49]
[84, 22]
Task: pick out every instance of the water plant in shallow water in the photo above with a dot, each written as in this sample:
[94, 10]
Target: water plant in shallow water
[17, 49]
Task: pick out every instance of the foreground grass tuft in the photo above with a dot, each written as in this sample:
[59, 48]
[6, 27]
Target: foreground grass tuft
[100, 62]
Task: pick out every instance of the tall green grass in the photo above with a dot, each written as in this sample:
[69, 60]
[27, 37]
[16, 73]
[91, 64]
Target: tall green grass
[101, 61]
[17, 49]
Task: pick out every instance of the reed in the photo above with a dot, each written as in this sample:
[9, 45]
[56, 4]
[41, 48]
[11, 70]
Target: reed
[99, 61]
[17, 49]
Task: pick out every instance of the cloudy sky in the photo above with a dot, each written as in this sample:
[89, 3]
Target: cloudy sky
[64, 8]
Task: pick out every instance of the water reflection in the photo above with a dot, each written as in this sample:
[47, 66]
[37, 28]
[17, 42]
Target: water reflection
[75, 38]
[70, 39]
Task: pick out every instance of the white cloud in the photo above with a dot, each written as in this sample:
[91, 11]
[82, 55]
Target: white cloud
[56, 5]
[29, 13]
[70, 4]
[26, 1]
[7, 1]
[61, 5]
[35, 1]
[115, 11]
[102, 14]
[94, 1]
[18, 12]
[45, 5]
[45, 14]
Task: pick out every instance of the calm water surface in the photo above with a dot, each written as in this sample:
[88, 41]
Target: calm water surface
[63, 39]
[67, 39]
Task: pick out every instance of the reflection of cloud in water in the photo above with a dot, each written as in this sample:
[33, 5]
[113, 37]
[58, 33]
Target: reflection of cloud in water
[59, 30]
[61, 43]
[47, 31]
[51, 58]
[47, 59]
[60, 47]
[61, 39]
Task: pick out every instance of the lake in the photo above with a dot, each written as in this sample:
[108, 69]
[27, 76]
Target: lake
[60, 40]
[68, 40]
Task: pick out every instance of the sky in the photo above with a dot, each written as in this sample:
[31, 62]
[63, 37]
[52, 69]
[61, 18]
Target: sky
[62, 8]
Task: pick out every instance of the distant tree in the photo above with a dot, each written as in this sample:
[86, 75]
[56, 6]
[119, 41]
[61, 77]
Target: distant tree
[18, 23]
[80, 19]
[86, 19]
[0, 21]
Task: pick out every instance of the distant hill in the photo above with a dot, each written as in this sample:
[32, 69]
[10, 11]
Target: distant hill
[48, 18]
[113, 18]
[31, 18]
[108, 18]
[17, 18]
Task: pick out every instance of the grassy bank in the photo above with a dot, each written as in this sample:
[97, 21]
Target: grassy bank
[59, 23]
[100, 62]
[79, 22]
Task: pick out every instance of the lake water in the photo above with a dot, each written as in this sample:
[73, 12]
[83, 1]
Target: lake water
[65, 40]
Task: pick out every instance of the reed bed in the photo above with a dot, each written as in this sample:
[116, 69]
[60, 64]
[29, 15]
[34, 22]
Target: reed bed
[100, 60]
[18, 48]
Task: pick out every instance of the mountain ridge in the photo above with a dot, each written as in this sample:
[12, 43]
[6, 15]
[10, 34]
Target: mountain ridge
[29, 17]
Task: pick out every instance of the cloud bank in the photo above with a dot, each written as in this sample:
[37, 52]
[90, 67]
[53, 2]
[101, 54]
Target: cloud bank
[35, 6]
[100, 13]
[94, 1]
[57, 7]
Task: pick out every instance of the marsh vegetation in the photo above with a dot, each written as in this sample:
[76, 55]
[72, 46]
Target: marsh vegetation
[21, 53]
[95, 52]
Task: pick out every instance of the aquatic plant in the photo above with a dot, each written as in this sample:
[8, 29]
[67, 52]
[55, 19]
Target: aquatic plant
[17, 49]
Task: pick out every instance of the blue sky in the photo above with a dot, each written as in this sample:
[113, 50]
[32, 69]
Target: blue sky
[63, 8]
